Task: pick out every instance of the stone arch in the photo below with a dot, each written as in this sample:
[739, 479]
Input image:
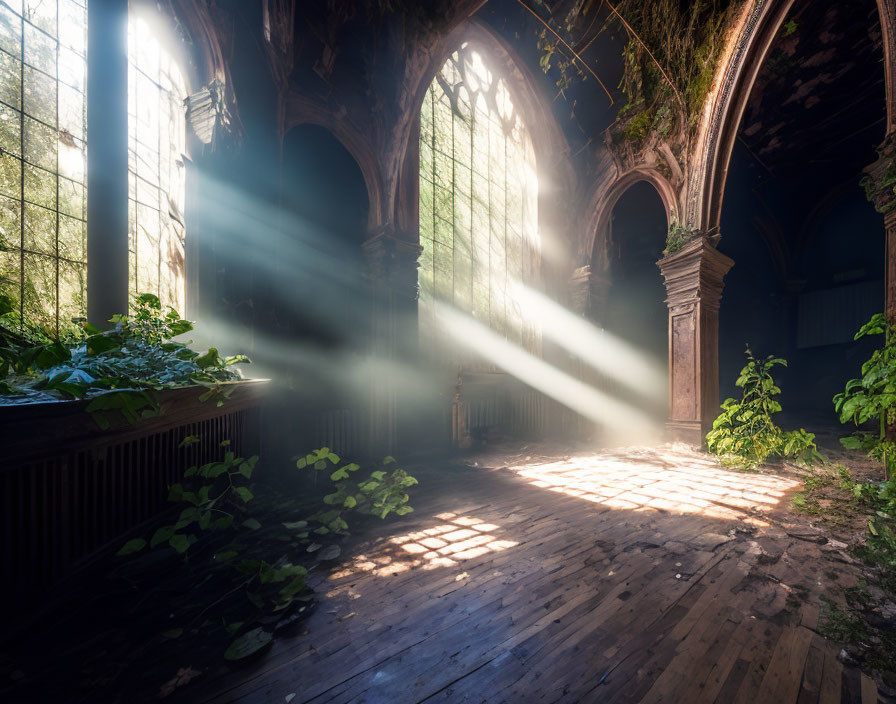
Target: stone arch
[601, 209]
[756, 32]
[301, 111]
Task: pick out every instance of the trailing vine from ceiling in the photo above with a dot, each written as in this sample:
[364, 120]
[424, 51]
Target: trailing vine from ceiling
[669, 65]
[670, 56]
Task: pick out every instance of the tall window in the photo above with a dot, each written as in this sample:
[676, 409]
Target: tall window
[478, 197]
[157, 144]
[42, 159]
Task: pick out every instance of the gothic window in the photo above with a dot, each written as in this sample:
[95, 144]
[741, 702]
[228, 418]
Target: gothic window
[478, 197]
[43, 250]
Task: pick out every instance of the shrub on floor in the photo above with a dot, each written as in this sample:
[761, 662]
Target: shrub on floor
[745, 433]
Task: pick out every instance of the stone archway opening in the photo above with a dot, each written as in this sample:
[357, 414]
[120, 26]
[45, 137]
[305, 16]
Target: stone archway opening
[808, 245]
[634, 309]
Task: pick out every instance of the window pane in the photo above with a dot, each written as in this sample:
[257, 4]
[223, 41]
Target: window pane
[477, 202]
[157, 137]
[42, 253]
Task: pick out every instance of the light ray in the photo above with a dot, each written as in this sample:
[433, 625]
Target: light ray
[597, 406]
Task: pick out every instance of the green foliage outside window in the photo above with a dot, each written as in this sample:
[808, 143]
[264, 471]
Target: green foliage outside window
[42, 161]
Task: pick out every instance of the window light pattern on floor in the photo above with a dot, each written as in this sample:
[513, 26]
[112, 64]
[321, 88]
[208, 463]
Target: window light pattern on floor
[456, 539]
[670, 478]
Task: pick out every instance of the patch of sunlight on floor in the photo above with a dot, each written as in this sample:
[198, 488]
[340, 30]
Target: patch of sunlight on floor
[671, 478]
[446, 544]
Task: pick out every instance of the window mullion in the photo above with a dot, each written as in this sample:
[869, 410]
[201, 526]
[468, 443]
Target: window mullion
[107, 165]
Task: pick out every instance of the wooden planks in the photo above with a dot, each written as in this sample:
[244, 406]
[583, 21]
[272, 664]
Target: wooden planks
[563, 599]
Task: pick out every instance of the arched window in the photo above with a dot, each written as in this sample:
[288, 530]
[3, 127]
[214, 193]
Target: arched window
[156, 171]
[43, 249]
[478, 197]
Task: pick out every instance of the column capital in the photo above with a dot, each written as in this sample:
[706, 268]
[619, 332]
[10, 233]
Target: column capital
[393, 260]
[694, 274]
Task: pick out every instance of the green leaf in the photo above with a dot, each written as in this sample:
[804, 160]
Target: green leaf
[173, 633]
[248, 644]
[222, 523]
[339, 475]
[243, 493]
[181, 542]
[301, 463]
[851, 442]
[349, 502]
[389, 460]
[377, 475]
[251, 524]
[175, 492]
[226, 555]
[161, 535]
[132, 546]
[189, 440]
[295, 525]
[294, 587]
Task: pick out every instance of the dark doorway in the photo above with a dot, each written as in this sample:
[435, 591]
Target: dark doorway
[808, 247]
[636, 311]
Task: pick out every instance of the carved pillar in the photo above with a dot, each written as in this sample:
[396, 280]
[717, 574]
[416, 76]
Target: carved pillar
[392, 268]
[694, 279]
[107, 169]
[880, 187]
[890, 225]
[589, 291]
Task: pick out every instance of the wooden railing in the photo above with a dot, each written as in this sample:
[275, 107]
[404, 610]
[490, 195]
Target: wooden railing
[67, 488]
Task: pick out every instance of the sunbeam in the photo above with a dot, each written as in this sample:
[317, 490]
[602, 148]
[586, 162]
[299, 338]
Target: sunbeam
[624, 419]
[606, 353]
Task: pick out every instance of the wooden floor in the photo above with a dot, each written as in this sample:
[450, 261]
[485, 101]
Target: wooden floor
[636, 576]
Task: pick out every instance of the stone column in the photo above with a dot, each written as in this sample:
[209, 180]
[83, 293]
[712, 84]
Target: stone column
[694, 278]
[890, 292]
[589, 291]
[880, 187]
[392, 268]
[107, 167]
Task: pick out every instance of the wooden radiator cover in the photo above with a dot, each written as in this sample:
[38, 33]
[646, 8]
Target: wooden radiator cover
[67, 488]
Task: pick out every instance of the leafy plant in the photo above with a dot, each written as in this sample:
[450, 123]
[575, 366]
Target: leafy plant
[872, 397]
[379, 494]
[678, 236]
[120, 368]
[215, 496]
[745, 433]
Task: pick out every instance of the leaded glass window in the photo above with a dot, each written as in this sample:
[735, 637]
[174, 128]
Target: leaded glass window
[478, 198]
[156, 172]
[43, 249]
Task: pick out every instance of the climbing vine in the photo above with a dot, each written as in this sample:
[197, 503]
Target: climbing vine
[670, 57]
[669, 64]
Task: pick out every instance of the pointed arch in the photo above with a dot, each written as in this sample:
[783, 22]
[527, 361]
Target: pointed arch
[755, 34]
